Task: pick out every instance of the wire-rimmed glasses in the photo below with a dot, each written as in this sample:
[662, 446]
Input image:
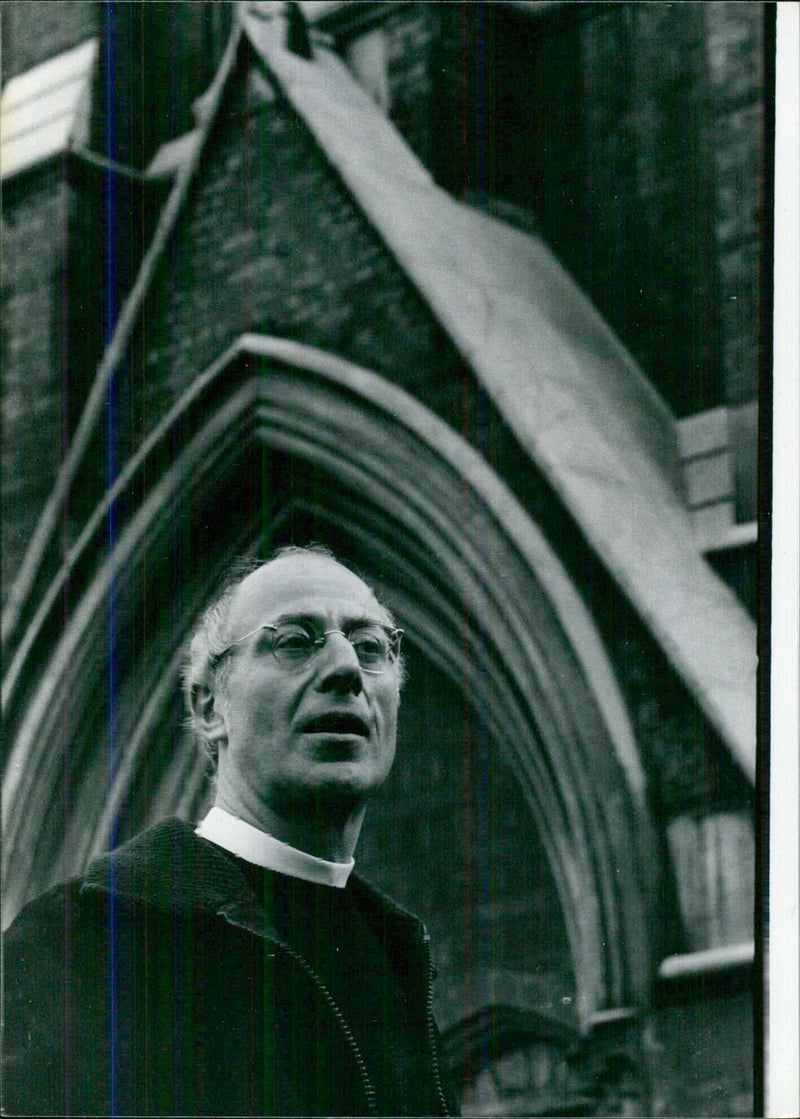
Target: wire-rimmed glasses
[294, 644]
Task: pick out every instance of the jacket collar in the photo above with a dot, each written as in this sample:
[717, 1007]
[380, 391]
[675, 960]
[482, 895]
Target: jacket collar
[168, 866]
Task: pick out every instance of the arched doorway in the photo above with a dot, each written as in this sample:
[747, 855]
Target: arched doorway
[280, 441]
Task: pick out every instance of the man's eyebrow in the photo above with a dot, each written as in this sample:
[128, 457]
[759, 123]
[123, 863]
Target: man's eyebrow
[319, 619]
[311, 619]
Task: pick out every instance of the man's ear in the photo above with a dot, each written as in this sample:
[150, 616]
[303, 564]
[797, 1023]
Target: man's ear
[208, 717]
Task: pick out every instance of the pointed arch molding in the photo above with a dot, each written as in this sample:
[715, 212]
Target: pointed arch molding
[473, 580]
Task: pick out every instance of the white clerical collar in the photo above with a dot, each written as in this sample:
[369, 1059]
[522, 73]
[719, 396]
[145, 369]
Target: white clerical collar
[256, 846]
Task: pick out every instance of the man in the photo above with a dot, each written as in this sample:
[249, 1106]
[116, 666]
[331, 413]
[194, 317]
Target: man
[242, 968]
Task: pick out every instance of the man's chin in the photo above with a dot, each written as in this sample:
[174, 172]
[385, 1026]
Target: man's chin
[345, 783]
[336, 749]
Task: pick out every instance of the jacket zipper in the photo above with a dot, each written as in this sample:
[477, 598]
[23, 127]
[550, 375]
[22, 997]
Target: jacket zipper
[366, 1083]
[431, 1028]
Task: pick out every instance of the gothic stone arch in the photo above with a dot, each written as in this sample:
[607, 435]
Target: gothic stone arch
[273, 431]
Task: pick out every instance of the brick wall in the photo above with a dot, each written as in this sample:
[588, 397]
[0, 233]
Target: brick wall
[271, 241]
[735, 49]
[33, 242]
[35, 30]
[736, 43]
[72, 240]
[650, 194]
[632, 134]
[412, 50]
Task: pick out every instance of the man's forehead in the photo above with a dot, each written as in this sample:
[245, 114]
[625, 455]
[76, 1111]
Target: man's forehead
[301, 585]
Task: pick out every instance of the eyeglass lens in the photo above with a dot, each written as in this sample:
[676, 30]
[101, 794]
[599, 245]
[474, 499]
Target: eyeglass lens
[374, 647]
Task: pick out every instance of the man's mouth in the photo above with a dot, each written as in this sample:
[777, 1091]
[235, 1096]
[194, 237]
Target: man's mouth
[336, 722]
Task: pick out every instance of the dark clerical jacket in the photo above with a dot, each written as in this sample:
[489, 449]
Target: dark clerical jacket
[168, 981]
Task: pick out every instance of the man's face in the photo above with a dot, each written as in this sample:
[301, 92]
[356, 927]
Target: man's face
[324, 728]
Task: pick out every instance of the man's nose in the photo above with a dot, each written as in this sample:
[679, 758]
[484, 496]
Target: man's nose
[339, 669]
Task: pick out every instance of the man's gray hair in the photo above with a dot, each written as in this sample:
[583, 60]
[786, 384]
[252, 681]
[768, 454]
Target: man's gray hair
[211, 636]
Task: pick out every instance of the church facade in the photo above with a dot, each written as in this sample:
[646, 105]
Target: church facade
[473, 294]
